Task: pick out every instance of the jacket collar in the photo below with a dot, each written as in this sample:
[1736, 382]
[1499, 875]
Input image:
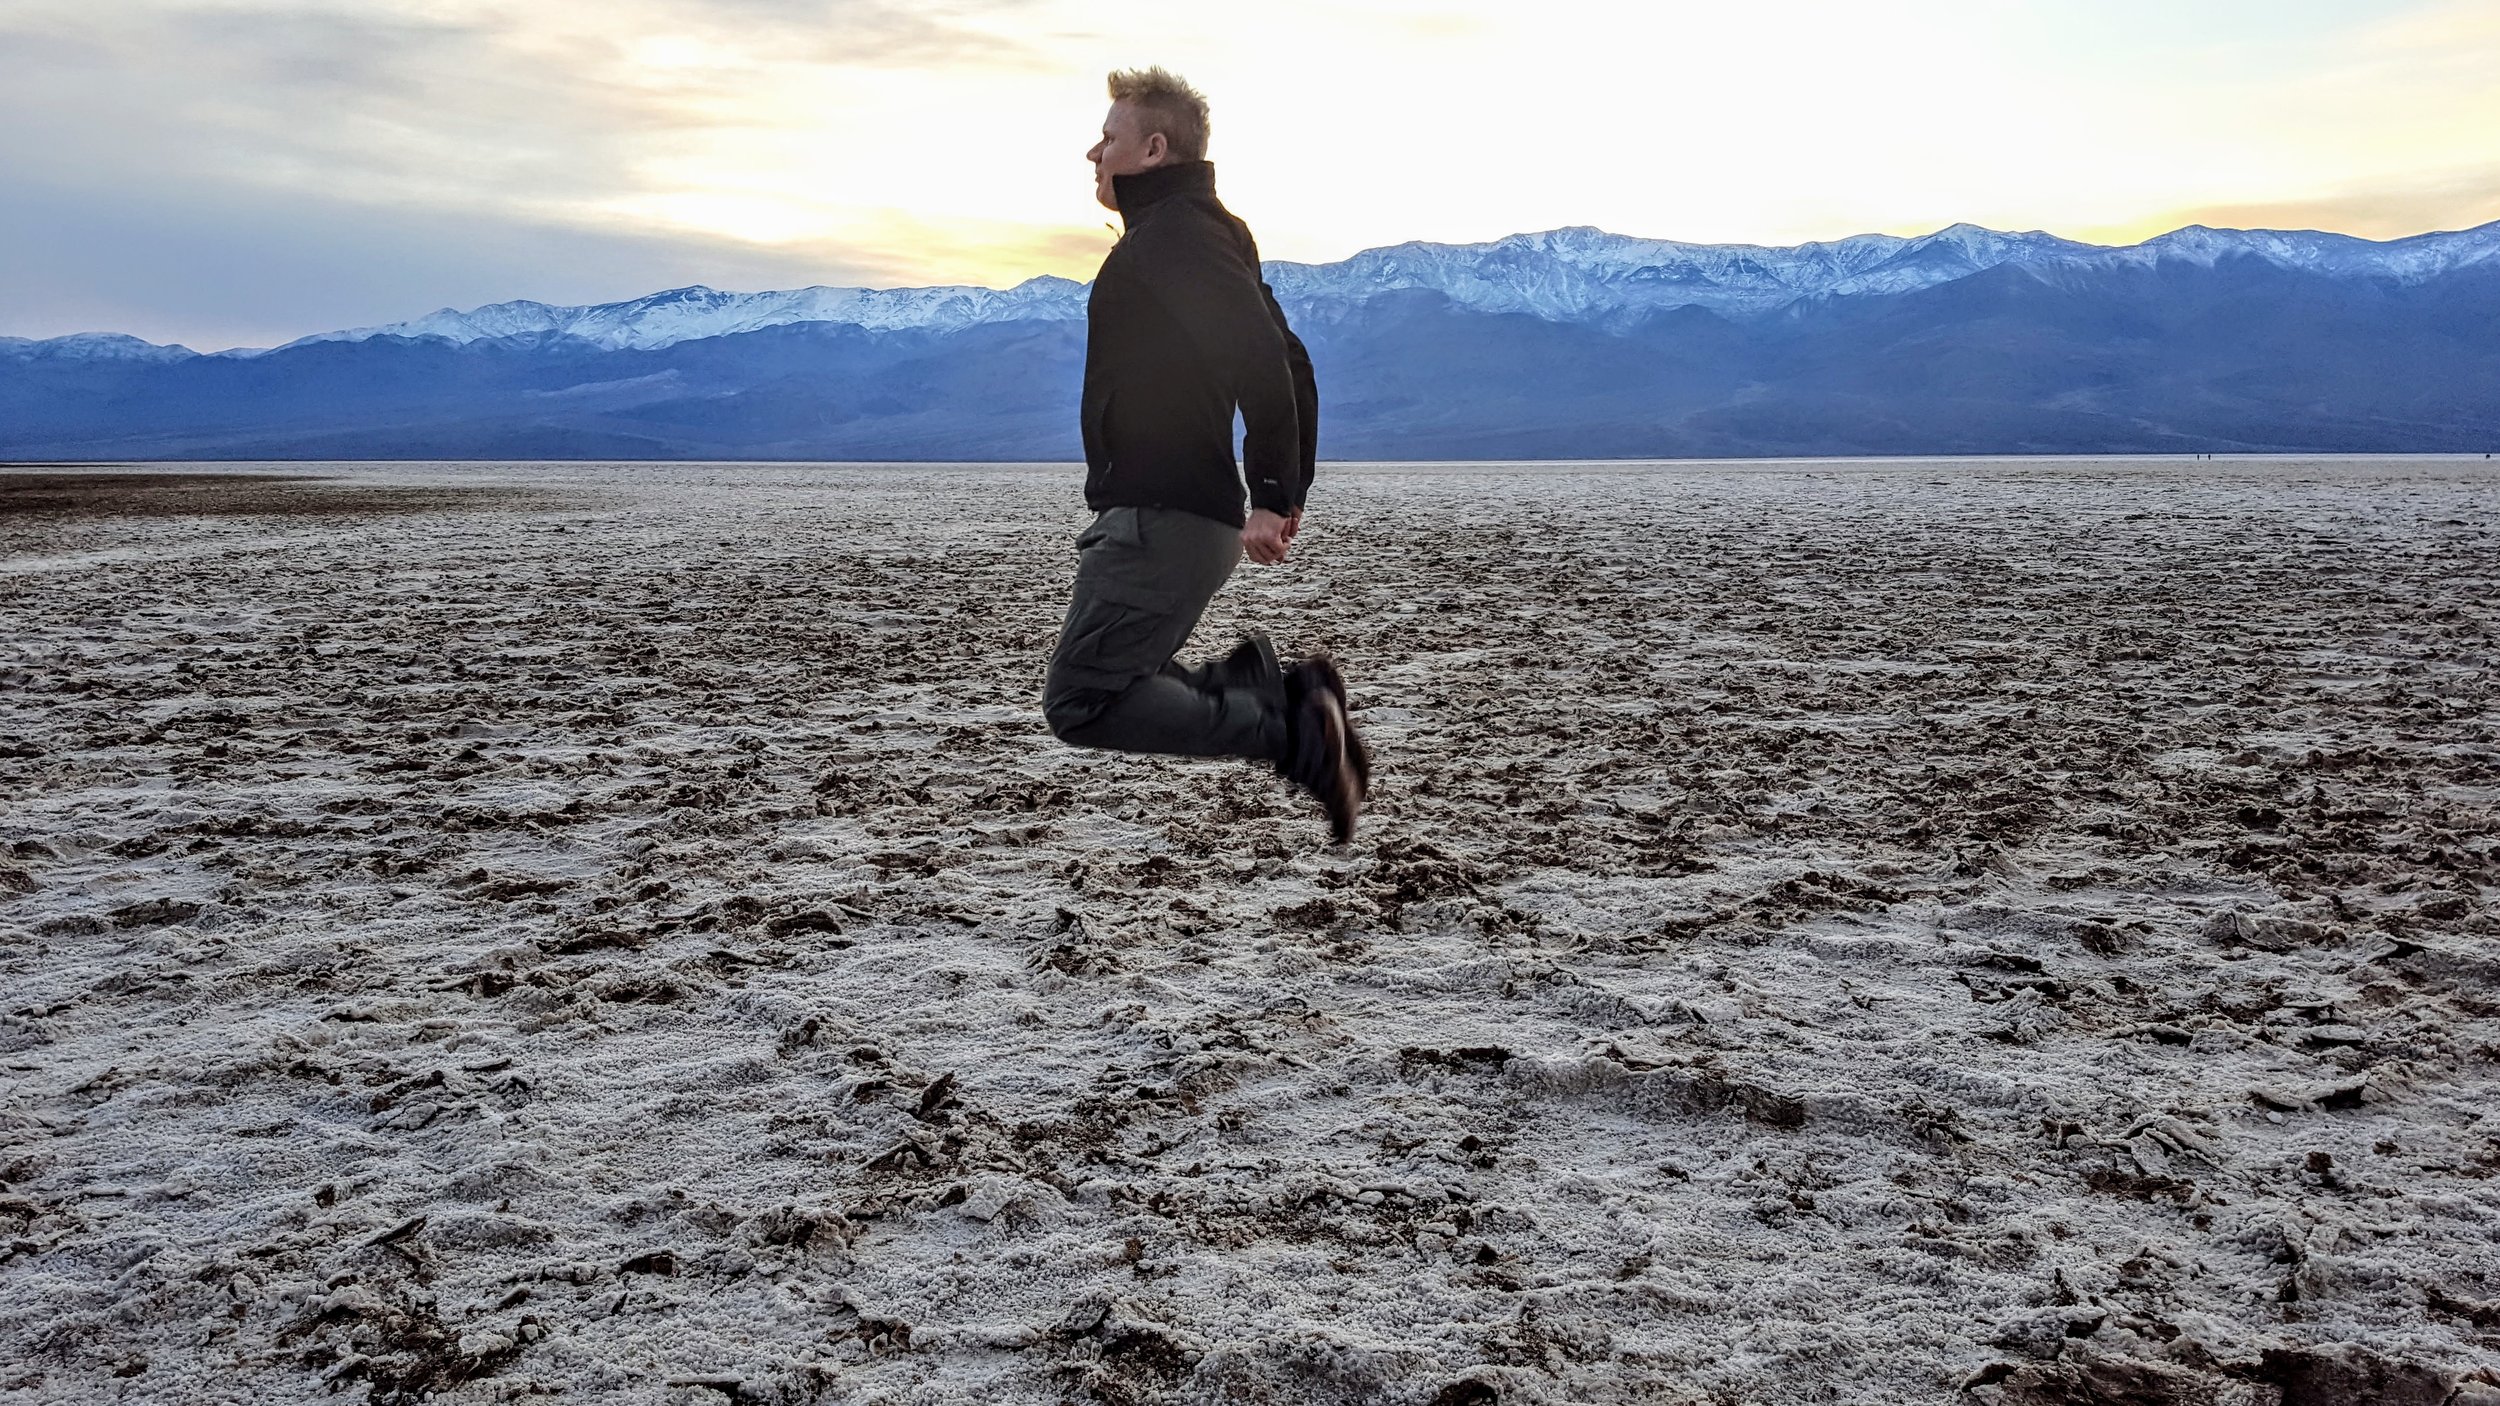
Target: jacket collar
[1136, 193]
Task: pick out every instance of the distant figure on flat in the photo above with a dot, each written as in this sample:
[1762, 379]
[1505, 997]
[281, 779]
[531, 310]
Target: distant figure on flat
[1180, 331]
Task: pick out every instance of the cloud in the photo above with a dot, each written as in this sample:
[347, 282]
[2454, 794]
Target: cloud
[861, 33]
[461, 101]
[239, 171]
[212, 267]
[292, 165]
[337, 55]
[303, 97]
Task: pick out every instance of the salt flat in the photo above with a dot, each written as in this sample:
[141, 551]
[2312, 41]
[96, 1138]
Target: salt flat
[2010, 931]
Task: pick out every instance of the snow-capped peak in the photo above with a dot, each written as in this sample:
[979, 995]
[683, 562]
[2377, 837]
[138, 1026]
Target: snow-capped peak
[686, 314]
[1577, 273]
[91, 346]
[1580, 273]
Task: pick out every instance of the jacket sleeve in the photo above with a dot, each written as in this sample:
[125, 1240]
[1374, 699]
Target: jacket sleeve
[1208, 280]
[1305, 396]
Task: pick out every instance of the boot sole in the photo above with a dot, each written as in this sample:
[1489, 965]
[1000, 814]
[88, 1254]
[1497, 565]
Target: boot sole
[1342, 796]
[1324, 668]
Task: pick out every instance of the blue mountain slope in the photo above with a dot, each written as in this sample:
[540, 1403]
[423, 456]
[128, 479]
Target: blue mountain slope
[1573, 343]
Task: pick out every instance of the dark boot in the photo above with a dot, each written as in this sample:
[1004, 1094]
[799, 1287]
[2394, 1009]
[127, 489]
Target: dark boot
[1252, 664]
[1315, 752]
[1321, 670]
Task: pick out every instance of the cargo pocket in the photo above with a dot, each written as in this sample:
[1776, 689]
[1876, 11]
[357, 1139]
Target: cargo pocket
[1114, 636]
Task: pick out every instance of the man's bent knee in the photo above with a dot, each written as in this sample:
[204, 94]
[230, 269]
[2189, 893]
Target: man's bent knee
[1072, 712]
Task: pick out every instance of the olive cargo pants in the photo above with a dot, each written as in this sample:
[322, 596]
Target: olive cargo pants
[1143, 577]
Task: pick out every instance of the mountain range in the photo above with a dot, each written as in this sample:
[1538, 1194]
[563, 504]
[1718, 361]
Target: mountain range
[1569, 343]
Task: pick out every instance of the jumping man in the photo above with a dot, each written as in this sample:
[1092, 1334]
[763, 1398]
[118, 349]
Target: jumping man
[1181, 331]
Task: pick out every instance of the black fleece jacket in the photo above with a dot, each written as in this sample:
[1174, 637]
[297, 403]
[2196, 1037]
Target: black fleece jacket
[1179, 330]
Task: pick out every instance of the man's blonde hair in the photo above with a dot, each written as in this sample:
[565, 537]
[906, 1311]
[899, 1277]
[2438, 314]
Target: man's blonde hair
[1171, 107]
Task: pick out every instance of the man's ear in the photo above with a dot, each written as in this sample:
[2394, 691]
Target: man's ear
[1158, 146]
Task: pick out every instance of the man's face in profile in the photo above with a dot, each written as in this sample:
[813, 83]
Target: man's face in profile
[1125, 149]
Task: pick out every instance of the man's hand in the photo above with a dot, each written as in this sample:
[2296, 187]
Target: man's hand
[1267, 536]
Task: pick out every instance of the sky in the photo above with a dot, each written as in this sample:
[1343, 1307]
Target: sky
[242, 172]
